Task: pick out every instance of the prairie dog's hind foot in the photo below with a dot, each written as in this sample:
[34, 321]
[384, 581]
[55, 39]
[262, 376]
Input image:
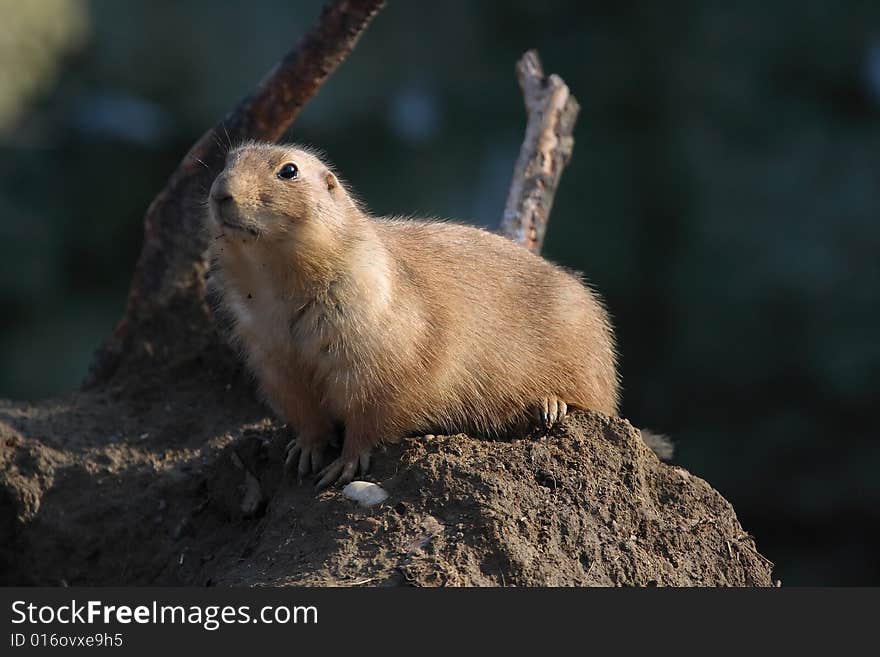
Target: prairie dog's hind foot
[550, 410]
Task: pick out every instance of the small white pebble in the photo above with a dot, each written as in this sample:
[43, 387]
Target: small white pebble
[365, 493]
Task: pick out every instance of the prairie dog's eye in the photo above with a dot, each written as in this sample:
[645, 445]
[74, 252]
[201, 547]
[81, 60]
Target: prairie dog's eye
[288, 172]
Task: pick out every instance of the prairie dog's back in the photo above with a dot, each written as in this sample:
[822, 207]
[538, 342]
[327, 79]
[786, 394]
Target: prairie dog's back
[505, 318]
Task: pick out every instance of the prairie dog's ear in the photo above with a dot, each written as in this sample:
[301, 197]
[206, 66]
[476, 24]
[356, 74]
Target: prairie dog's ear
[330, 180]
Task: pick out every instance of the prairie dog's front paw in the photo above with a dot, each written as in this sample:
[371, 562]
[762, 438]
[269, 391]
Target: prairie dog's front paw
[343, 470]
[306, 453]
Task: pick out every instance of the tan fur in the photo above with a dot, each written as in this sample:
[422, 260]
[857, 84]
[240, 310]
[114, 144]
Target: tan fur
[393, 327]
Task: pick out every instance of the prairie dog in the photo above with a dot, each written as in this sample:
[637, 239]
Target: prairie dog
[393, 327]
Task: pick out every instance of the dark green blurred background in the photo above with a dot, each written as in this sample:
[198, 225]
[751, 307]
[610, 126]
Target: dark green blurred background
[723, 197]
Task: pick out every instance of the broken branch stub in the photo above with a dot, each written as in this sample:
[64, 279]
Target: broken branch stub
[552, 112]
[166, 303]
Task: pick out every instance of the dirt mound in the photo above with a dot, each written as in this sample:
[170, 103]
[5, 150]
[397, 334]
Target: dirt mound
[157, 483]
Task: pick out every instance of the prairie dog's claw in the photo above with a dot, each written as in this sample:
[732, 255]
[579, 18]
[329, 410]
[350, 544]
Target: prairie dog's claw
[551, 410]
[292, 451]
[343, 470]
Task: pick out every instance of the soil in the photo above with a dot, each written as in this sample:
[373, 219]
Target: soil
[172, 475]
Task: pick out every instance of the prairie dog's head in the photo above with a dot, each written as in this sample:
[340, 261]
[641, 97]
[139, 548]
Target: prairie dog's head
[272, 193]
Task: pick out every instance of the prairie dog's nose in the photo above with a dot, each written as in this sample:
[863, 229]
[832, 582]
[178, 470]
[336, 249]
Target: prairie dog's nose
[220, 191]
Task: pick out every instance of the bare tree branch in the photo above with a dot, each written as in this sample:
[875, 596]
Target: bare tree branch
[545, 152]
[170, 270]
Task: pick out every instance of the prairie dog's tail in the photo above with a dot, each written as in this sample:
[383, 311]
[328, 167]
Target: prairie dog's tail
[659, 443]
